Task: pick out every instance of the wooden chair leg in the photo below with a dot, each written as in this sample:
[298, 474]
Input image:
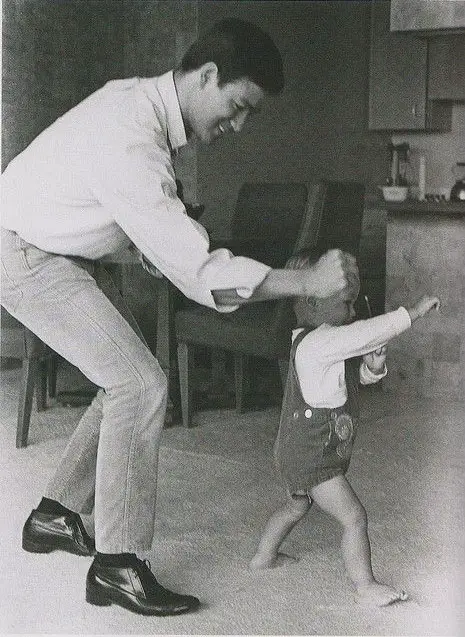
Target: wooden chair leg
[52, 364]
[185, 382]
[29, 372]
[240, 372]
[283, 364]
[41, 385]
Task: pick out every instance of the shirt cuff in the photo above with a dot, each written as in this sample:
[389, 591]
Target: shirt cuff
[367, 377]
[241, 274]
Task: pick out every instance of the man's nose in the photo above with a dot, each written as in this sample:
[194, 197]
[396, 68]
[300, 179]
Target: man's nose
[237, 122]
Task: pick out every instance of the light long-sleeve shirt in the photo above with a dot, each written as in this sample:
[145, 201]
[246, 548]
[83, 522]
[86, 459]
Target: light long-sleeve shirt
[101, 177]
[319, 358]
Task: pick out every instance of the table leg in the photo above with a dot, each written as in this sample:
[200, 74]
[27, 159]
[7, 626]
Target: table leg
[166, 347]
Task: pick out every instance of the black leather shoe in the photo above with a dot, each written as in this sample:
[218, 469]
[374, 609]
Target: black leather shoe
[134, 587]
[45, 532]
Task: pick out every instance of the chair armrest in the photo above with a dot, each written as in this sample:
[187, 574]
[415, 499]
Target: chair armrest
[244, 246]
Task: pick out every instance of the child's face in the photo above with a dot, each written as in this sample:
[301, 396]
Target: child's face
[337, 309]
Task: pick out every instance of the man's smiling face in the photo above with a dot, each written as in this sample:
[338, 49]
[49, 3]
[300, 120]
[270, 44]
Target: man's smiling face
[219, 110]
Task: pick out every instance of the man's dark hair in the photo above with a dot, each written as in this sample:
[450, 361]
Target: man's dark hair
[239, 49]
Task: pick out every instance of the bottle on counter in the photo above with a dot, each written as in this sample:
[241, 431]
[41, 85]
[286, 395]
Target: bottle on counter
[458, 189]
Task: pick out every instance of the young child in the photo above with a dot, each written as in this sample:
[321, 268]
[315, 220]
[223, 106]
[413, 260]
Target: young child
[319, 419]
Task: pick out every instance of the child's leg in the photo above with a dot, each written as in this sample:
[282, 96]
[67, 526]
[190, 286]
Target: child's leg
[336, 497]
[278, 527]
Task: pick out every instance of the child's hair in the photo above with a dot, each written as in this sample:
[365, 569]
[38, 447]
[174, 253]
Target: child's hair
[304, 258]
[239, 49]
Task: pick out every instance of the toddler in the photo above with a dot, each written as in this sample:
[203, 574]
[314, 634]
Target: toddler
[319, 420]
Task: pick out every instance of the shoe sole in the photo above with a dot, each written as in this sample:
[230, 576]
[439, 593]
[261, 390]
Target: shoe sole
[97, 597]
[33, 547]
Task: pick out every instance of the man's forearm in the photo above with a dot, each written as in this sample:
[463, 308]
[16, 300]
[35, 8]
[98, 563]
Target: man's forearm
[277, 284]
[326, 277]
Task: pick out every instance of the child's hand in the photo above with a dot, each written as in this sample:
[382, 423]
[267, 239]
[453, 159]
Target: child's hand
[423, 306]
[375, 361]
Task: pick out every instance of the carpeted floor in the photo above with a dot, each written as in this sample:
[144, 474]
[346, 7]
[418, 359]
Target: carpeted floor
[216, 489]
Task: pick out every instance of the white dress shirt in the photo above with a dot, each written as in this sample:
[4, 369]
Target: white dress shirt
[101, 178]
[320, 356]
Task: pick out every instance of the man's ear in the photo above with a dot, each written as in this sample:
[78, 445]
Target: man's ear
[312, 302]
[208, 72]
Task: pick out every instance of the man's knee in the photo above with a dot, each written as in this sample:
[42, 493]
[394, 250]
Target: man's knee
[146, 382]
[299, 504]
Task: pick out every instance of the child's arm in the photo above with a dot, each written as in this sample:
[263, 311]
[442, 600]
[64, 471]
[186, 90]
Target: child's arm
[423, 306]
[331, 343]
[373, 367]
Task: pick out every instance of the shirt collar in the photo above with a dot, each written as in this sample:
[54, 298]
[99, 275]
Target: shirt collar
[175, 125]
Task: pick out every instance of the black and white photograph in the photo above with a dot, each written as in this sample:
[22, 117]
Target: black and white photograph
[232, 301]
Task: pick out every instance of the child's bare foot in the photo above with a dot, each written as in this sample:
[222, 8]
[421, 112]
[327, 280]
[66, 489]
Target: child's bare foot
[280, 559]
[375, 594]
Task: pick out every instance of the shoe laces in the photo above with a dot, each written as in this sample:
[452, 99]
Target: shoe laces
[145, 574]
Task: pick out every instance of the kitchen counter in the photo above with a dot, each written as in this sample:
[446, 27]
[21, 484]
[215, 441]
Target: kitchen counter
[425, 254]
[411, 206]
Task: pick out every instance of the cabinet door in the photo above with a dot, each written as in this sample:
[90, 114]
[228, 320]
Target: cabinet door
[418, 15]
[446, 73]
[397, 96]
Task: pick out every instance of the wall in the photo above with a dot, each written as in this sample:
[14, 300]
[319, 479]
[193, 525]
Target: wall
[54, 55]
[318, 126]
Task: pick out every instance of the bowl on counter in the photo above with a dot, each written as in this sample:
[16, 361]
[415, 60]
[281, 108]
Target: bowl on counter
[394, 193]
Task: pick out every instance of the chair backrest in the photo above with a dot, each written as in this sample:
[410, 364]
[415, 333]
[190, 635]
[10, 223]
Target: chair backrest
[341, 219]
[267, 220]
[333, 219]
[274, 221]
[306, 237]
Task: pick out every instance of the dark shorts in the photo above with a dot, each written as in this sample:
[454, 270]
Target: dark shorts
[314, 445]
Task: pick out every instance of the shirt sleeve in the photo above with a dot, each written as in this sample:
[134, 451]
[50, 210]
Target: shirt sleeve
[331, 343]
[141, 195]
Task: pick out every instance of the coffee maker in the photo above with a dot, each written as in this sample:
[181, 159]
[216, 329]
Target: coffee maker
[458, 189]
[399, 159]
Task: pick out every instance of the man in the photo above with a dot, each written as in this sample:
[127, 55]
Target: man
[98, 179]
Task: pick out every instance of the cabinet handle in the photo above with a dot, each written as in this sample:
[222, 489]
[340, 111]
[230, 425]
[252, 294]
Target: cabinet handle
[414, 110]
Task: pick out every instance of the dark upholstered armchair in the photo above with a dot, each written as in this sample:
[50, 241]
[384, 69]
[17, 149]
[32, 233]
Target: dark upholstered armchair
[272, 221]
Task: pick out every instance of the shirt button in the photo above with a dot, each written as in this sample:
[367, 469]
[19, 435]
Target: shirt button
[296, 415]
[308, 413]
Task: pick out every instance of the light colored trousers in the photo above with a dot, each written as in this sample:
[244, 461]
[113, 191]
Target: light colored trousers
[110, 464]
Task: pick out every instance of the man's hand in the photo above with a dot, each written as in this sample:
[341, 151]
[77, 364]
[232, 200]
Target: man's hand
[331, 274]
[376, 361]
[423, 306]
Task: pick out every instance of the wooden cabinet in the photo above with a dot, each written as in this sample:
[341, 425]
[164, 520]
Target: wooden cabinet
[398, 98]
[418, 15]
[446, 72]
